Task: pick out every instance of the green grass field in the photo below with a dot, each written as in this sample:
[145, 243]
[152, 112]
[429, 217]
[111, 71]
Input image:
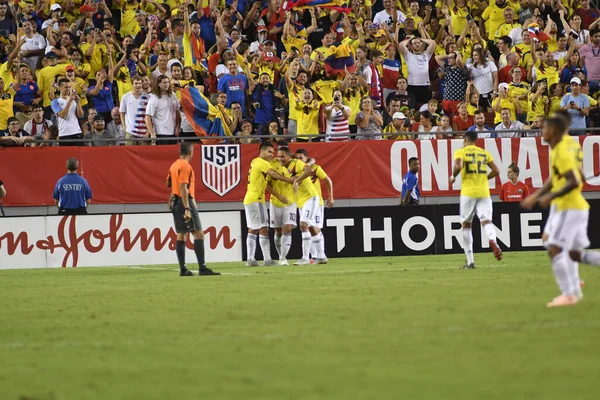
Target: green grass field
[369, 328]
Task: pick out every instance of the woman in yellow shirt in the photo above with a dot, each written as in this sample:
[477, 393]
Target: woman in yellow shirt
[504, 101]
[307, 113]
[556, 94]
[538, 98]
[519, 90]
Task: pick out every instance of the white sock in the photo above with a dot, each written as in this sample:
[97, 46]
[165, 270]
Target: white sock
[278, 238]
[265, 246]
[590, 258]
[490, 230]
[574, 281]
[286, 244]
[322, 243]
[316, 244]
[251, 247]
[560, 267]
[313, 249]
[306, 241]
[468, 244]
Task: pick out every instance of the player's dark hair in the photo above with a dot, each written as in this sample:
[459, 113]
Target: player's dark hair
[185, 148]
[471, 135]
[72, 164]
[412, 160]
[514, 168]
[558, 123]
[302, 151]
[285, 149]
[265, 145]
[565, 115]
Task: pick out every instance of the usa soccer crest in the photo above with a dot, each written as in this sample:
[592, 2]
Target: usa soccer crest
[221, 167]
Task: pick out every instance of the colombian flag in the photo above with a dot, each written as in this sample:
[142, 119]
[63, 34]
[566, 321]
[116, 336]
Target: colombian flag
[338, 5]
[341, 58]
[203, 116]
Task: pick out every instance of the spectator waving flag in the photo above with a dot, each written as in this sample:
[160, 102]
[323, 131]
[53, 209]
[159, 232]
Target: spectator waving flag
[203, 116]
[340, 60]
[338, 5]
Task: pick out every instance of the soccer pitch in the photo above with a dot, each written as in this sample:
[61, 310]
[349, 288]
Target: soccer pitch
[368, 328]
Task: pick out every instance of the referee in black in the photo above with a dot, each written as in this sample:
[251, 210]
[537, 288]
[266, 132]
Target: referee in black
[72, 193]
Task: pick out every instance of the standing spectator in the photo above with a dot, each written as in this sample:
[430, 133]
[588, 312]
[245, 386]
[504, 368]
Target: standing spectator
[27, 94]
[37, 126]
[577, 105]
[373, 77]
[505, 74]
[417, 60]
[410, 184]
[34, 46]
[406, 99]
[162, 112]
[485, 78]
[483, 131]
[386, 16]
[7, 94]
[392, 108]
[45, 77]
[369, 121]
[588, 14]
[68, 111]
[265, 100]
[509, 127]
[99, 134]
[235, 85]
[7, 23]
[14, 135]
[101, 92]
[337, 115]
[513, 190]
[505, 101]
[354, 88]
[589, 53]
[307, 111]
[133, 112]
[519, 90]
[72, 193]
[456, 75]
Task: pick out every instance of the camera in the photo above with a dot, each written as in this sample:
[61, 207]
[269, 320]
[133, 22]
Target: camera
[337, 99]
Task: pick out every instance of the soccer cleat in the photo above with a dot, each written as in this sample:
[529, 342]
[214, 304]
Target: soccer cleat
[469, 266]
[302, 262]
[562, 301]
[283, 261]
[581, 283]
[496, 250]
[186, 272]
[269, 263]
[207, 272]
[322, 260]
[252, 263]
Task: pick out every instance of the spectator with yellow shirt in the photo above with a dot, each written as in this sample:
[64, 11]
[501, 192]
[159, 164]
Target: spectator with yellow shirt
[538, 100]
[94, 50]
[504, 101]
[307, 112]
[354, 88]
[46, 77]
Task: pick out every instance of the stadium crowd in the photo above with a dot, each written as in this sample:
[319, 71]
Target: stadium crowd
[125, 70]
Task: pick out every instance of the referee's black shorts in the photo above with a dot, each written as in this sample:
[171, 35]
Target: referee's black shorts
[181, 225]
[72, 211]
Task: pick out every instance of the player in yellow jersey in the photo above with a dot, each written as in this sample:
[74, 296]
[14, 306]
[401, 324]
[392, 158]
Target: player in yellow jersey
[254, 204]
[307, 200]
[565, 233]
[317, 176]
[282, 210]
[472, 163]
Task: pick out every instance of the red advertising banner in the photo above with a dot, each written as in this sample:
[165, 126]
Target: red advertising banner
[360, 169]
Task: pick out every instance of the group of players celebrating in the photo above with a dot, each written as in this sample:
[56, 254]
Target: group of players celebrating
[294, 182]
[565, 234]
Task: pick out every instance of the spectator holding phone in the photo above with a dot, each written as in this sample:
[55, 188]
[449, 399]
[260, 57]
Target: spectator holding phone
[337, 115]
[577, 105]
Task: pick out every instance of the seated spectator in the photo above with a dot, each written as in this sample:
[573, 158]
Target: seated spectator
[504, 101]
[98, 135]
[483, 131]
[463, 120]
[513, 190]
[37, 126]
[427, 126]
[402, 94]
[399, 129]
[509, 127]
[444, 127]
[244, 135]
[14, 136]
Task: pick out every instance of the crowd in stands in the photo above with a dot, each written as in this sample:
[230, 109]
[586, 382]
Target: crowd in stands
[118, 71]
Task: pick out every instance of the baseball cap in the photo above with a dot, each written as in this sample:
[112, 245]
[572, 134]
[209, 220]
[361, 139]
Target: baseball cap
[70, 67]
[269, 56]
[51, 54]
[503, 85]
[379, 33]
[55, 7]
[262, 28]
[399, 115]
[98, 117]
[576, 80]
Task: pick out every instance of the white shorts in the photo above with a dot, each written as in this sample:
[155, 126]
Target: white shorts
[470, 206]
[567, 229]
[320, 217]
[309, 211]
[256, 215]
[280, 216]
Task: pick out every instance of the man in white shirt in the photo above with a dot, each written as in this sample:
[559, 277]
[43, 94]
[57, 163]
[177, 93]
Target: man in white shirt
[386, 16]
[34, 46]
[162, 113]
[417, 60]
[37, 126]
[508, 128]
[133, 112]
[68, 111]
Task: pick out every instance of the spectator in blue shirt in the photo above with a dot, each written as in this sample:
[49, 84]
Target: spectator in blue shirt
[265, 101]
[234, 85]
[72, 193]
[577, 105]
[410, 184]
[101, 92]
[483, 131]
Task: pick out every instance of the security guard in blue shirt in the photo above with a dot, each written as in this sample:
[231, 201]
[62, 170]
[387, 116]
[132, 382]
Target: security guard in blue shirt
[72, 193]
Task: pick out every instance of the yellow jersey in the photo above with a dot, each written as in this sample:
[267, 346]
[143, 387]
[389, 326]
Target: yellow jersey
[548, 72]
[6, 106]
[318, 174]
[6, 74]
[523, 50]
[538, 108]
[520, 89]
[567, 156]
[46, 78]
[352, 99]
[474, 171]
[98, 59]
[257, 181]
[505, 103]
[308, 119]
[280, 187]
[306, 189]
[294, 96]
[296, 42]
[324, 89]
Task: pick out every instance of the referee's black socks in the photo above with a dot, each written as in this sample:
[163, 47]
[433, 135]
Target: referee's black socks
[180, 250]
[199, 250]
